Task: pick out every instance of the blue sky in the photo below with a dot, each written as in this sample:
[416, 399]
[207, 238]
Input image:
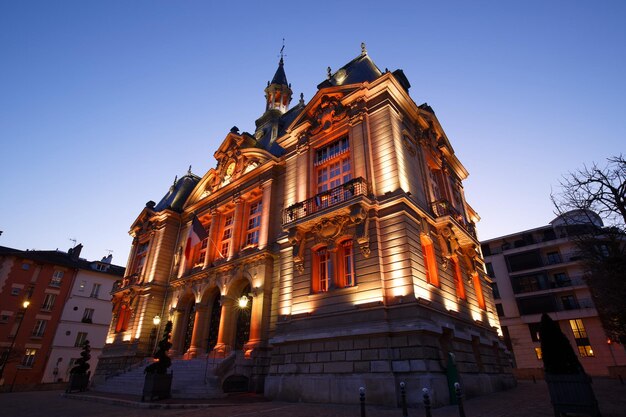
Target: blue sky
[103, 103]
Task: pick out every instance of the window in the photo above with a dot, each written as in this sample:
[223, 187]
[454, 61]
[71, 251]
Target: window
[333, 168]
[561, 280]
[57, 277]
[582, 340]
[478, 288]
[553, 258]
[140, 258]
[347, 277]
[500, 310]
[82, 285]
[39, 329]
[534, 331]
[4, 318]
[489, 269]
[495, 290]
[322, 270]
[202, 253]
[569, 302]
[48, 302]
[25, 266]
[254, 224]
[88, 315]
[80, 339]
[538, 353]
[15, 291]
[123, 318]
[524, 260]
[29, 358]
[458, 278]
[430, 262]
[95, 290]
[227, 235]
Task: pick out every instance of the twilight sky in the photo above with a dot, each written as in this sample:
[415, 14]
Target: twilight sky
[103, 103]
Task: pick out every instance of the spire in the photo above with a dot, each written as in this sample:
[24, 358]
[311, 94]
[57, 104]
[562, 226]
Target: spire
[278, 92]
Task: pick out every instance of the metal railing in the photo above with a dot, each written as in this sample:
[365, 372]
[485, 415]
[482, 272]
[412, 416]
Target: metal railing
[126, 282]
[443, 207]
[326, 199]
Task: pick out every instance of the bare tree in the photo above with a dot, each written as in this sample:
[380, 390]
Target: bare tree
[601, 247]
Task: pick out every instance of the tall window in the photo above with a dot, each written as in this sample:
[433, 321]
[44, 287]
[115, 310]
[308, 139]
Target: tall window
[322, 270]
[227, 235]
[202, 253]
[123, 318]
[57, 277]
[140, 258]
[458, 278]
[39, 329]
[48, 302]
[29, 358]
[254, 224]
[80, 339]
[582, 340]
[95, 290]
[88, 315]
[346, 254]
[332, 166]
[430, 262]
[478, 288]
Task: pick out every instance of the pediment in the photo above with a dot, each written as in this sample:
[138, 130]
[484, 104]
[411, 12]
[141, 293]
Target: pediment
[142, 222]
[324, 109]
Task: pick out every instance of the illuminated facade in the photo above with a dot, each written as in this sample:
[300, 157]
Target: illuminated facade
[537, 271]
[340, 253]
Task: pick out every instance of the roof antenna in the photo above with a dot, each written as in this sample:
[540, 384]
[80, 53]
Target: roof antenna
[110, 251]
[363, 49]
[73, 239]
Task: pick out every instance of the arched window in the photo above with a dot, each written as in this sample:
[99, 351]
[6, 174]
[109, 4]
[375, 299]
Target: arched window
[430, 261]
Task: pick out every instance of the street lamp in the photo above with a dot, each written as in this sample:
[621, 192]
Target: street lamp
[8, 353]
[155, 331]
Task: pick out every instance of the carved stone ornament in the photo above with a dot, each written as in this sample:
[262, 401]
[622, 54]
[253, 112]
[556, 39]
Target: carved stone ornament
[359, 216]
[448, 242]
[327, 229]
[470, 255]
[328, 112]
[303, 143]
[296, 239]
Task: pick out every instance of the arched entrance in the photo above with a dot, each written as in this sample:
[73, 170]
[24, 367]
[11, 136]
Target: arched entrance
[214, 322]
[244, 312]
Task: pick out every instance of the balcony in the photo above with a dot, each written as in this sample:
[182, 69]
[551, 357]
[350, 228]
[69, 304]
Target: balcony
[442, 208]
[324, 200]
[126, 282]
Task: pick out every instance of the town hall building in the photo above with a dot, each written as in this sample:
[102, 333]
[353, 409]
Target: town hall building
[330, 249]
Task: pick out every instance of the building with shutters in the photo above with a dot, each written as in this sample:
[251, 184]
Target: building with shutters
[338, 251]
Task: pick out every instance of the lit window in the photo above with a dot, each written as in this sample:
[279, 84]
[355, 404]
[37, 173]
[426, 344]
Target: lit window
[48, 302]
[123, 318]
[57, 277]
[95, 290]
[321, 270]
[333, 168]
[254, 224]
[458, 278]
[140, 258]
[227, 235]
[29, 358]
[347, 274]
[430, 262]
[538, 353]
[81, 287]
[80, 339]
[479, 290]
[39, 329]
[202, 253]
[582, 340]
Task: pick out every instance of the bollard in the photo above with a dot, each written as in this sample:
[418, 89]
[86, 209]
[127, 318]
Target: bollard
[427, 402]
[405, 412]
[362, 399]
[459, 397]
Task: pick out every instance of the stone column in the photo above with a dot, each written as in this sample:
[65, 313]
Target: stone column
[265, 215]
[256, 324]
[177, 331]
[224, 335]
[238, 225]
[212, 241]
[198, 338]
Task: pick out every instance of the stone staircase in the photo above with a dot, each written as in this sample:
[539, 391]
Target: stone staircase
[193, 378]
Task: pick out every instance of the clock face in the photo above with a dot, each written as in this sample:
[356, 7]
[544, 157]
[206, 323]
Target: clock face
[230, 169]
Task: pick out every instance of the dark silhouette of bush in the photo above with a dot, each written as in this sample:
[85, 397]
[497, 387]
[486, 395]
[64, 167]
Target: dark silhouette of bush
[82, 364]
[556, 351]
[163, 361]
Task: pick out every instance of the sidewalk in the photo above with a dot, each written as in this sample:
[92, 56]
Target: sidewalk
[526, 400]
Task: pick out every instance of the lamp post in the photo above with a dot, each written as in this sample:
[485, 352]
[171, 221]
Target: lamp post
[25, 305]
[156, 321]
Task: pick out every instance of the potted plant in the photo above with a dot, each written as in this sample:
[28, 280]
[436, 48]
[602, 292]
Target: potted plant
[158, 383]
[80, 374]
[569, 385]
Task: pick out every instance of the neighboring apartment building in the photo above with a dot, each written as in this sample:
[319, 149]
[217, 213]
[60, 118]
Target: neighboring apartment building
[86, 316]
[537, 271]
[34, 287]
[335, 250]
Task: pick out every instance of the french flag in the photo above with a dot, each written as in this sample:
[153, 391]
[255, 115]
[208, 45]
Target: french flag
[196, 235]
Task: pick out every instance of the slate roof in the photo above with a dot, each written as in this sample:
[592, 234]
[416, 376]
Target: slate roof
[178, 193]
[280, 77]
[359, 70]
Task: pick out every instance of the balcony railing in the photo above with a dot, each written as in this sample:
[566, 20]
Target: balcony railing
[326, 199]
[443, 207]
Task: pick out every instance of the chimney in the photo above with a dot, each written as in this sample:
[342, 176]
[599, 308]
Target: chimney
[74, 253]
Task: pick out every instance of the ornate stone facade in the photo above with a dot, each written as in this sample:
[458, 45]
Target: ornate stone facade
[339, 252]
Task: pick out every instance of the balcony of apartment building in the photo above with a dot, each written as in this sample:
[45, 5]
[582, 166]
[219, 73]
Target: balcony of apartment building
[337, 199]
[564, 306]
[444, 213]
